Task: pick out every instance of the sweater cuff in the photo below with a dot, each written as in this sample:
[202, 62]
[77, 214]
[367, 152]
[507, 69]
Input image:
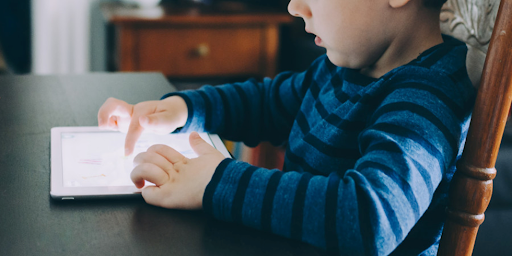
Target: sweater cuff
[212, 185]
[220, 192]
[195, 108]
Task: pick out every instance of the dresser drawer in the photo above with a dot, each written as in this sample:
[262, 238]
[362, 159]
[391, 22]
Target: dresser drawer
[200, 51]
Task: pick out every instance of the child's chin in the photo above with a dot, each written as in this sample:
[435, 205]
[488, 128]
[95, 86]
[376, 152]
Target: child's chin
[346, 60]
[337, 60]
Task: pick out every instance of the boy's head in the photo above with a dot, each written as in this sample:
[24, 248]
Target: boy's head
[378, 34]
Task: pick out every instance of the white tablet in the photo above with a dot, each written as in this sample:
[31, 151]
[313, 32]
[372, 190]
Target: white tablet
[87, 162]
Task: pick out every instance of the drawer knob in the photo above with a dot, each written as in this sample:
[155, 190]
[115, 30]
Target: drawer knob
[202, 50]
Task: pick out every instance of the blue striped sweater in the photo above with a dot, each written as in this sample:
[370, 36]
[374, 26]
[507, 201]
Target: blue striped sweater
[368, 161]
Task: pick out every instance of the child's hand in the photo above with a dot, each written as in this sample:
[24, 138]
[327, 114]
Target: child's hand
[160, 117]
[180, 182]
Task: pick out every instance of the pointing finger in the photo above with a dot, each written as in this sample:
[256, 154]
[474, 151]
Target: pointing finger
[134, 129]
[133, 134]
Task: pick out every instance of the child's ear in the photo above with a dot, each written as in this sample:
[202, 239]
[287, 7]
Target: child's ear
[398, 3]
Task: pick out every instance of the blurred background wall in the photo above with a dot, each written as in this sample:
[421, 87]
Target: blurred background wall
[15, 36]
[68, 36]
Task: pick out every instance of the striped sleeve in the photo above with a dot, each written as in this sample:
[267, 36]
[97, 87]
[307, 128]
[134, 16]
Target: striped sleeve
[251, 111]
[411, 139]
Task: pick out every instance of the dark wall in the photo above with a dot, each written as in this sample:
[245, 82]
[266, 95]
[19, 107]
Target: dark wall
[15, 34]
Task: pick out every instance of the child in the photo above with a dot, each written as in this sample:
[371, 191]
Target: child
[373, 131]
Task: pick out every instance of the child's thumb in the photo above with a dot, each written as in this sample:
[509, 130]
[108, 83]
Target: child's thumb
[200, 146]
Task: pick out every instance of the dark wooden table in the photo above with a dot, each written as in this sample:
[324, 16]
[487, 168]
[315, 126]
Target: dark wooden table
[31, 223]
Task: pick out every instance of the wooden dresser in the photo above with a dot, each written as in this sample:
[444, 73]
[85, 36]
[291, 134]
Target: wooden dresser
[196, 40]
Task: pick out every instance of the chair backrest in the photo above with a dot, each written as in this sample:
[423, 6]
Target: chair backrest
[471, 187]
[471, 21]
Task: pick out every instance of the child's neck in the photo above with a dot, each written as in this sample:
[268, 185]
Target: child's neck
[411, 42]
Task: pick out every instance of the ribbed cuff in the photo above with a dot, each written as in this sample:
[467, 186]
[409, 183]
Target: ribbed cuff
[190, 109]
[212, 186]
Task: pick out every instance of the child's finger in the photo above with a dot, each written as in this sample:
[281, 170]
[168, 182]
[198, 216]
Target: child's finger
[133, 134]
[111, 124]
[110, 108]
[153, 195]
[149, 172]
[168, 153]
[153, 158]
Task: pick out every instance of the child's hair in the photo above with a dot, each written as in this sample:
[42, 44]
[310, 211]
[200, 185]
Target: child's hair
[437, 4]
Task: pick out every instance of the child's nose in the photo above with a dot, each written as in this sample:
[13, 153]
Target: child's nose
[299, 8]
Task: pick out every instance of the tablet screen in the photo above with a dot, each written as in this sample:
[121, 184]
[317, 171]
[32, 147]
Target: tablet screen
[96, 159]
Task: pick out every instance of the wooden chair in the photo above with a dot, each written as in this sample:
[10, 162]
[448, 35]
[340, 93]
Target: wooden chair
[472, 184]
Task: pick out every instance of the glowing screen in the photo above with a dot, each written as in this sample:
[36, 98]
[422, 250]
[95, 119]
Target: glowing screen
[92, 159]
